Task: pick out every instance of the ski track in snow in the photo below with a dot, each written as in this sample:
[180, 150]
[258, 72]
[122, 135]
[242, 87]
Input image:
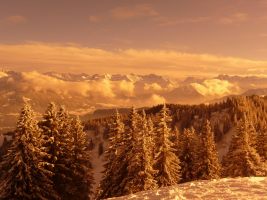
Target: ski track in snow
[249, 188]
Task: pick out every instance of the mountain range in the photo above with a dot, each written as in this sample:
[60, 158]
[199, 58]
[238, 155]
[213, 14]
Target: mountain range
[84, 93]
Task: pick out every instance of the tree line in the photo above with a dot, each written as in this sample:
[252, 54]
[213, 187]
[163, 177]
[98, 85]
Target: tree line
[47, 159]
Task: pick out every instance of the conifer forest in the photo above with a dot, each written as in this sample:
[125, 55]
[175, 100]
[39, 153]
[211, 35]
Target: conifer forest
[145, 149]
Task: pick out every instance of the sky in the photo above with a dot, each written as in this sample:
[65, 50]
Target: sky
[168, 37]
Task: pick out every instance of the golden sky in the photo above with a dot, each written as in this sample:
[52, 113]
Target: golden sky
[170, 37]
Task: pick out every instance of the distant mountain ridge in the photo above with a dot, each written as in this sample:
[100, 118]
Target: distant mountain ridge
[113, 77]
[84, 93]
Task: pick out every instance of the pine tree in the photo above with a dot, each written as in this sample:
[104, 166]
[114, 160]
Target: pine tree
[188, 155]
[64, 149]
[134, 119]
[81, 167]
[262, 144]
[59, 145]
[148, 173]
[151, 137]
[242, 159]
[130, 140]
[208, 165]
[252, 135]
[177, 142]
[50, 131]
[133, 156]
[110, 184]
[140, 174]
[167, 163]
[26, 176]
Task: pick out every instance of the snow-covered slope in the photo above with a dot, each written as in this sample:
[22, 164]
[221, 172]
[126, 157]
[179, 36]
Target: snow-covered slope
[250, 188]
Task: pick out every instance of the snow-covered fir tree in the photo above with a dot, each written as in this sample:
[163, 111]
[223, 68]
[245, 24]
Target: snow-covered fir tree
[131, 139]
[252, 135]
[50, 130]
[242, 159]
[140, 172]
[81, 167]
[133, 123]
[109, 185]
[189, 154]
[166, 162]
[262, 144]
[64, 148]
[177, 141]
[148, 173]
[25, 175]
[151, 137]
[207, 164]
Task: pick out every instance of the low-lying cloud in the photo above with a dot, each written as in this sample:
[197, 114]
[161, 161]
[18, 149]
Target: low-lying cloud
[216, 87]
[153, 87]
[3, 74]
[102, 91]
[103, 88]
[112, 91]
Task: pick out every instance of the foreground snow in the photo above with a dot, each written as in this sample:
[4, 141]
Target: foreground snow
[230, 189]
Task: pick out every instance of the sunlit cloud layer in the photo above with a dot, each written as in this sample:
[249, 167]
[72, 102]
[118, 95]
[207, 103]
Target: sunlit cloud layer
[213, 87]
[102, 91]
[73, 58]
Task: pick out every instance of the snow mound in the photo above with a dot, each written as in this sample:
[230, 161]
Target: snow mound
[227, 188]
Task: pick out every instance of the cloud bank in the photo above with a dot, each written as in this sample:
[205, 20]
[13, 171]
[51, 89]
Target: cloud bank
[84, 92]
[139, 91]
[73, 58]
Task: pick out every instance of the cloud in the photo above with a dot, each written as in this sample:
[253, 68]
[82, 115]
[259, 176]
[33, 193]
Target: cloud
[127, 88]
[234, 18]
[100, 92]
[156, 99]
[95, 19]
[16, 19]
[153, 87]
[3, 74]
[73, 58]
[150, 100]
[110, 92]
[130, 12]
[40, 82]
[215, 87]
[166, 21]
[96, 89]
[43, 83]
